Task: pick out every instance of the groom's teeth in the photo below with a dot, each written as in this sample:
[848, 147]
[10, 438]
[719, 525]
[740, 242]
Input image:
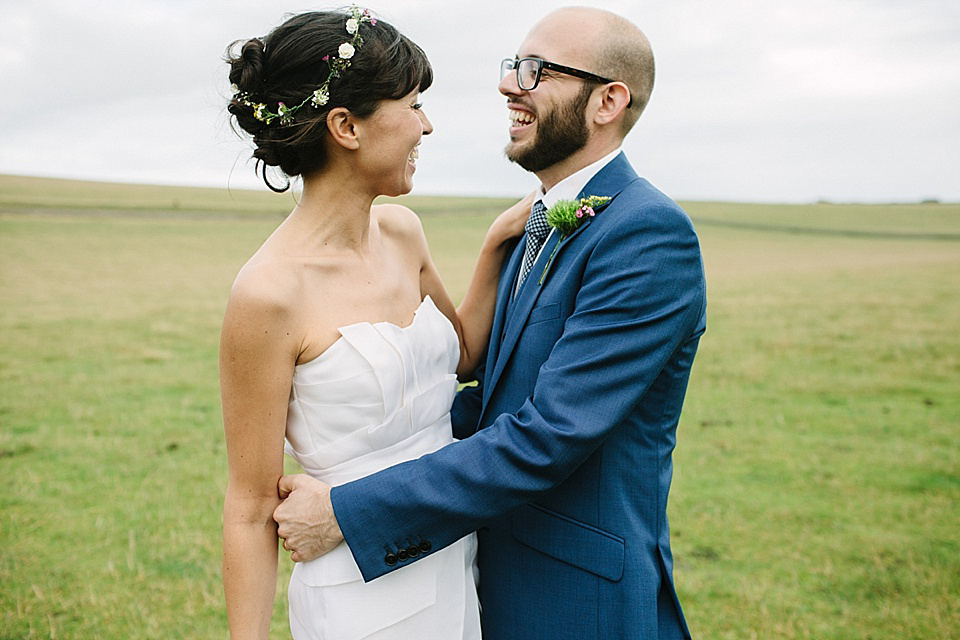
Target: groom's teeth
[521, 117]
[414, 155]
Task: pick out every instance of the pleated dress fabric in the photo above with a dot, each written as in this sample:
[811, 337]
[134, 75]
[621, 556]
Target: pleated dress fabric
[378, 396]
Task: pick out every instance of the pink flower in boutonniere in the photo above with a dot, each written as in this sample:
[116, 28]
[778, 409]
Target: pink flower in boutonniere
[566, 216]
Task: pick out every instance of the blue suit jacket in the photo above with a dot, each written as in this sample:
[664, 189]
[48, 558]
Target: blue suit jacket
[566, 456]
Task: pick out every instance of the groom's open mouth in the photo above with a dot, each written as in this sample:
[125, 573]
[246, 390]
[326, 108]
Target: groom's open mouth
[414, 154]
[521, 119]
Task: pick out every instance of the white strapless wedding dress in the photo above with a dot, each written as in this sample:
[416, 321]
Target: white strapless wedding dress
[380, 395]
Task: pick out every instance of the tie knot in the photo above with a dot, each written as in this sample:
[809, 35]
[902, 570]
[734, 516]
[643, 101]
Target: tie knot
[537, 226]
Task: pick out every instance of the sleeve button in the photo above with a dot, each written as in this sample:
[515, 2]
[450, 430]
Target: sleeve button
[390, 559]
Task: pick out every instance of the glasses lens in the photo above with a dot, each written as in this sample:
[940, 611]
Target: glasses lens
[506, 66]
[528, 71]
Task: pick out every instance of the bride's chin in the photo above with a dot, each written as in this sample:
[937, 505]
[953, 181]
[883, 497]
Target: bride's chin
[401, 190]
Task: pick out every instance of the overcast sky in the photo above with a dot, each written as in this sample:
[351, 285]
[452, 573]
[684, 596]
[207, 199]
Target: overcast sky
[756, 100]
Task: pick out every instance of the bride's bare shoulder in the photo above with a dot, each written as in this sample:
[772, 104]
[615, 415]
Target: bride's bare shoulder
[397, 221]
[266, 284]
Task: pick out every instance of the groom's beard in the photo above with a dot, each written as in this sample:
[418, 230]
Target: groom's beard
[561, 132]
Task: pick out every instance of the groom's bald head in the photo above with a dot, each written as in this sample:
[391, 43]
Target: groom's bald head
[611, 46]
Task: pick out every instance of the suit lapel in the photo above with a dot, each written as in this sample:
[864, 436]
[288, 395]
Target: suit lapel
[518, 310]
[500, 317]
[511, 316]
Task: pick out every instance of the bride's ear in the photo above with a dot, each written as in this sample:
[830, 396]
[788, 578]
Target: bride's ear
[342, 127]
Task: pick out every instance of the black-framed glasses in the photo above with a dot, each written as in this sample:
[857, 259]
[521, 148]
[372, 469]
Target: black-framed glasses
[529, 70]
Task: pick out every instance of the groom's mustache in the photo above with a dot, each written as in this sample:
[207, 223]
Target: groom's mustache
[520, 103]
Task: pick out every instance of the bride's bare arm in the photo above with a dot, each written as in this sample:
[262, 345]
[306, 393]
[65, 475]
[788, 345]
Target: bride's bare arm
[257, 356]
[474, 316]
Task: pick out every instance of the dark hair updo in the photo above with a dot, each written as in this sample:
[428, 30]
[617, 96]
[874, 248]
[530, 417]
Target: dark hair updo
[288, 66]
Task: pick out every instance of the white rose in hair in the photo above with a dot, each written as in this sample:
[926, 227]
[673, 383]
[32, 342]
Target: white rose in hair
[347, 51]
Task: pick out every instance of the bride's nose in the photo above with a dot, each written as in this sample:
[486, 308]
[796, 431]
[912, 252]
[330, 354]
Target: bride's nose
[427, 126]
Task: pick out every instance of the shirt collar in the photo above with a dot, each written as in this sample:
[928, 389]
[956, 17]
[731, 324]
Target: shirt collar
[571, 186]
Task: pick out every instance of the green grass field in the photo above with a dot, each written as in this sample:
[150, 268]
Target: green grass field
[817, 477]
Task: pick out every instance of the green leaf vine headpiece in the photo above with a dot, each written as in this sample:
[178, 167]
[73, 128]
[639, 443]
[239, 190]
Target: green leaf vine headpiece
[321, 95]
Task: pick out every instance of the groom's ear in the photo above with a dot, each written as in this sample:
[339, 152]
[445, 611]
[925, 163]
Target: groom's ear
[614, 100]
[342, 127]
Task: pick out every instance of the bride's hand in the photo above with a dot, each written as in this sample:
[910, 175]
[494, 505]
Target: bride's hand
[509, 224]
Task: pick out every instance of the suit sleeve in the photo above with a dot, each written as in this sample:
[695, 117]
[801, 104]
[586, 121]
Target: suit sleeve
[640, 299]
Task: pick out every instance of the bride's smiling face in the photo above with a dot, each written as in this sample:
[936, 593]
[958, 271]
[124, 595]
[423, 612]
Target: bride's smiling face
[389, 144]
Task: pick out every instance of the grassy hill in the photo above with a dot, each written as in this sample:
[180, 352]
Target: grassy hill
[817, 474]
[22, 194]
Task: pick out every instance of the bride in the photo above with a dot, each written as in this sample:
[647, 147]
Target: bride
[338, 336]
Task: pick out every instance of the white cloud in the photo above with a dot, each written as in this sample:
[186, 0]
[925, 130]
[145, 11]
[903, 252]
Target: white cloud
[841, 99]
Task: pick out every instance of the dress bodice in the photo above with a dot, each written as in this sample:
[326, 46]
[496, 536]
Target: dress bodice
[379, 395]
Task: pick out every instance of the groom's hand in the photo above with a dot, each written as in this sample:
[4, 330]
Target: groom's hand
[305, 517]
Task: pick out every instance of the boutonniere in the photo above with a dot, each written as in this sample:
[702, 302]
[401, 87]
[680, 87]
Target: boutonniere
[566, 216]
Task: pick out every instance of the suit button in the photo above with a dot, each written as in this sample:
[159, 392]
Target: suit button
[413, 550]
[403, 555]
[390, 559]
[425, 546]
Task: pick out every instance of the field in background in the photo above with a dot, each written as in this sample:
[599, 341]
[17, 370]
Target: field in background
[817, 476]
[26, 194]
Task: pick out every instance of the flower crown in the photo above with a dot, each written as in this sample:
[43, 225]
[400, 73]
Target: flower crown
[321, 95]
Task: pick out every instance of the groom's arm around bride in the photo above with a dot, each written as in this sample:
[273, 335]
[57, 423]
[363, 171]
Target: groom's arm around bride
[567, 472]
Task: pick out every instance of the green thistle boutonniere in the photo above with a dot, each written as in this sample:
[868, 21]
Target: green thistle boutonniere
[566, 216]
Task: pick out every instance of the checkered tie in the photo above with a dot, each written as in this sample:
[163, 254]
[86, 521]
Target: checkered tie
[537, 231]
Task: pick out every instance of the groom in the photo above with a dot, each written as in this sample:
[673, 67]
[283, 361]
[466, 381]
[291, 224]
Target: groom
[566, 456]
